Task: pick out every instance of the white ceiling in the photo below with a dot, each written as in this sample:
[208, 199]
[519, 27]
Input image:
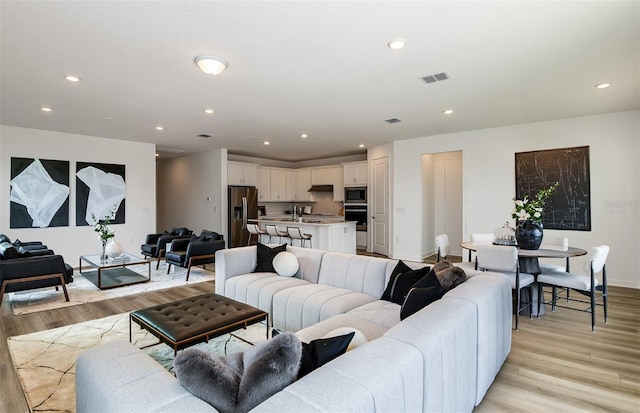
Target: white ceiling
[321, 68]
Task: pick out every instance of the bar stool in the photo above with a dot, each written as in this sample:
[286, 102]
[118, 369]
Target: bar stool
[254, 229]
[273, 231]
[296, 233]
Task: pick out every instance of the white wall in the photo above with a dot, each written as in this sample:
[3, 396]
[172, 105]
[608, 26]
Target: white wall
[489, 184]
[192, 192]
[72, 241]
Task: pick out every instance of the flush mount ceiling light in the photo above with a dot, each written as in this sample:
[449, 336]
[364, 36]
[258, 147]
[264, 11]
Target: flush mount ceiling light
[603, 85]
[211, 65]
[396, 44]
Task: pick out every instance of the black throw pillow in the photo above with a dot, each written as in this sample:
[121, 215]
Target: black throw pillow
[4, 238]
[400, 268]
[8, 251]
[404, 282]
[424, 292]
[23, 253]
[321, 351]
[265, 256]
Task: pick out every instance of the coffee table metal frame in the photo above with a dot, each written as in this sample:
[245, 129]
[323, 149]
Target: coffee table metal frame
[124, 260]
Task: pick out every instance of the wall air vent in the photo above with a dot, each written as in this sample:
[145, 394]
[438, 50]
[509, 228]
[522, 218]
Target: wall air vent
[393, 120]
[438, 77]
[168, 150]
[204, 135]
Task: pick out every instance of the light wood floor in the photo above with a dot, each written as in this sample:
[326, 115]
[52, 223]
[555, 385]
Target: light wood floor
[556, 363]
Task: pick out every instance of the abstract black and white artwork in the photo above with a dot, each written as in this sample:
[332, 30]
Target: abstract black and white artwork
[100, 192]
[39, 195]
[569, 208]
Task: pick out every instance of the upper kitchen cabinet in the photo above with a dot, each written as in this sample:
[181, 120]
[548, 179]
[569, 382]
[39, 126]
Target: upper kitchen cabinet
[338, 184]
[322, 176]
[302, 183]
[242, 173]
[355, 173]
[279, 189]
[264, 184]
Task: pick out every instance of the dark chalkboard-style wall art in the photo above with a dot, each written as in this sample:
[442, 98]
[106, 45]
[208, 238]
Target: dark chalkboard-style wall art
[39, 194]
[100, 191]
[569, 207]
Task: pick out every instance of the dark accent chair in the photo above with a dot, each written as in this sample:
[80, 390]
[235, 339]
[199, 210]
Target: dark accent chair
[200, 250]
[155, 245]
[21, 270]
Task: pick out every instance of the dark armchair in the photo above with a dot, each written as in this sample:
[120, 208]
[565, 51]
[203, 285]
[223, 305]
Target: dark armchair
[200, 250]
[155, 245]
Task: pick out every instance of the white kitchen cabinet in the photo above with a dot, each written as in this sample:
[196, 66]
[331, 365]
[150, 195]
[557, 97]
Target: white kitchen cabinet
[355, 173]
[338, 184]
[322, 176]
[264, 184]
[242, 173]
[279, 185]
[302, 184]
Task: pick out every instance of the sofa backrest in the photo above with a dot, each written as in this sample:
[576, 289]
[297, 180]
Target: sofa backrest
[356, 272]
[309, 261]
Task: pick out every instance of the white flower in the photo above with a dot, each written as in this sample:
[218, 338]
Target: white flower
[522, 214]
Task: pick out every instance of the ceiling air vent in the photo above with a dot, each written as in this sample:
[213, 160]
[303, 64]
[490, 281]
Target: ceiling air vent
[438, 77]
[168, 150]
[204, 135]
[393, 120]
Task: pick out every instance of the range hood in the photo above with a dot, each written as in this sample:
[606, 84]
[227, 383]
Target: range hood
[321, 188]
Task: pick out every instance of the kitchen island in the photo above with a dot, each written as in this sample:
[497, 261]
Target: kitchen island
[329, 234]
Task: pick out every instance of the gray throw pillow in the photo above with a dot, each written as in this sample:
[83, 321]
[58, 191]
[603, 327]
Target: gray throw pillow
[240, 381]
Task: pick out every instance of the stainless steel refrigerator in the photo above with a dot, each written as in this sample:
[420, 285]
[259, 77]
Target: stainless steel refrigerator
[243, 206]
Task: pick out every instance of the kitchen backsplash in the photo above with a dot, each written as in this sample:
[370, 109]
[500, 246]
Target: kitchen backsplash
[323, 204]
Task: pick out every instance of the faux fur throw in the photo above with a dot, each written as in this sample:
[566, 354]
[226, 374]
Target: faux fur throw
[240, 381]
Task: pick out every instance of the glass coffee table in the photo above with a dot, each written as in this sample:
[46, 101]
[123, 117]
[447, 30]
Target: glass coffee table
[113, 272]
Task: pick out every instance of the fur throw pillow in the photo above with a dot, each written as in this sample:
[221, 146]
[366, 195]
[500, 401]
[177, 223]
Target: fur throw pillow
[240, 381]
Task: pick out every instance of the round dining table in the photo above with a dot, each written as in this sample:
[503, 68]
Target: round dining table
[528, 261]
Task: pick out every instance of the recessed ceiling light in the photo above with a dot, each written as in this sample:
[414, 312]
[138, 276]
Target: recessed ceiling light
[208, 111]
[447, 111]
[361, 145]
[72, 78]
[157, 154]
[396, 44]
[266, 142]
[304, 136]
[159, 127]
[45, 109]
[603, 85]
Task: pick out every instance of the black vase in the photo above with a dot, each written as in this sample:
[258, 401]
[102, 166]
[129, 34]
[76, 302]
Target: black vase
[529, 234]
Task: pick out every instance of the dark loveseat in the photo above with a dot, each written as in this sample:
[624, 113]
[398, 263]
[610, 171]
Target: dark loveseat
[196, 250]
[155, 245]
[22, 269]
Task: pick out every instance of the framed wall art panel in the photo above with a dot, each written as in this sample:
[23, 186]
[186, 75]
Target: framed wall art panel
[100, 192]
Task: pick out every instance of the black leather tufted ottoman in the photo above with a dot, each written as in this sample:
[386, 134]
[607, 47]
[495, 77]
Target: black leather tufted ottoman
[190, 321]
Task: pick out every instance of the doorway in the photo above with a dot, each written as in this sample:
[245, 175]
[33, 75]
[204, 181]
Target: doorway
[442, 199]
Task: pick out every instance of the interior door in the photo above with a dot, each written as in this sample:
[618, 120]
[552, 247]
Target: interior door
[380, 206]
[448, 197]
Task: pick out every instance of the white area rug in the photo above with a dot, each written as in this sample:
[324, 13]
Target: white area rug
[46, 361]
[83, 291]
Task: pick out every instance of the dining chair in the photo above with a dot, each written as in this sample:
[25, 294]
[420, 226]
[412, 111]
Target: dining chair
[254, 229]
[504, 259]
[585, 285]
[296, 233]
[444, 249]
[555, 243]
[487, 237]
[273, 231]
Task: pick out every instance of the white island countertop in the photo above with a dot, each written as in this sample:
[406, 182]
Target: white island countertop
[327, 233]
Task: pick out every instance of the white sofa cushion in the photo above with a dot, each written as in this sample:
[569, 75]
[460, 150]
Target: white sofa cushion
[257, 289]
[350, 271]
[370, 330]
[384, 375]
[381, 312]
[298, 307]
[448, 341]
[493, 307]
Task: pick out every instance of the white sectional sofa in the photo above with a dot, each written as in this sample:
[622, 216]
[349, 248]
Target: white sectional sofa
[441, 359]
